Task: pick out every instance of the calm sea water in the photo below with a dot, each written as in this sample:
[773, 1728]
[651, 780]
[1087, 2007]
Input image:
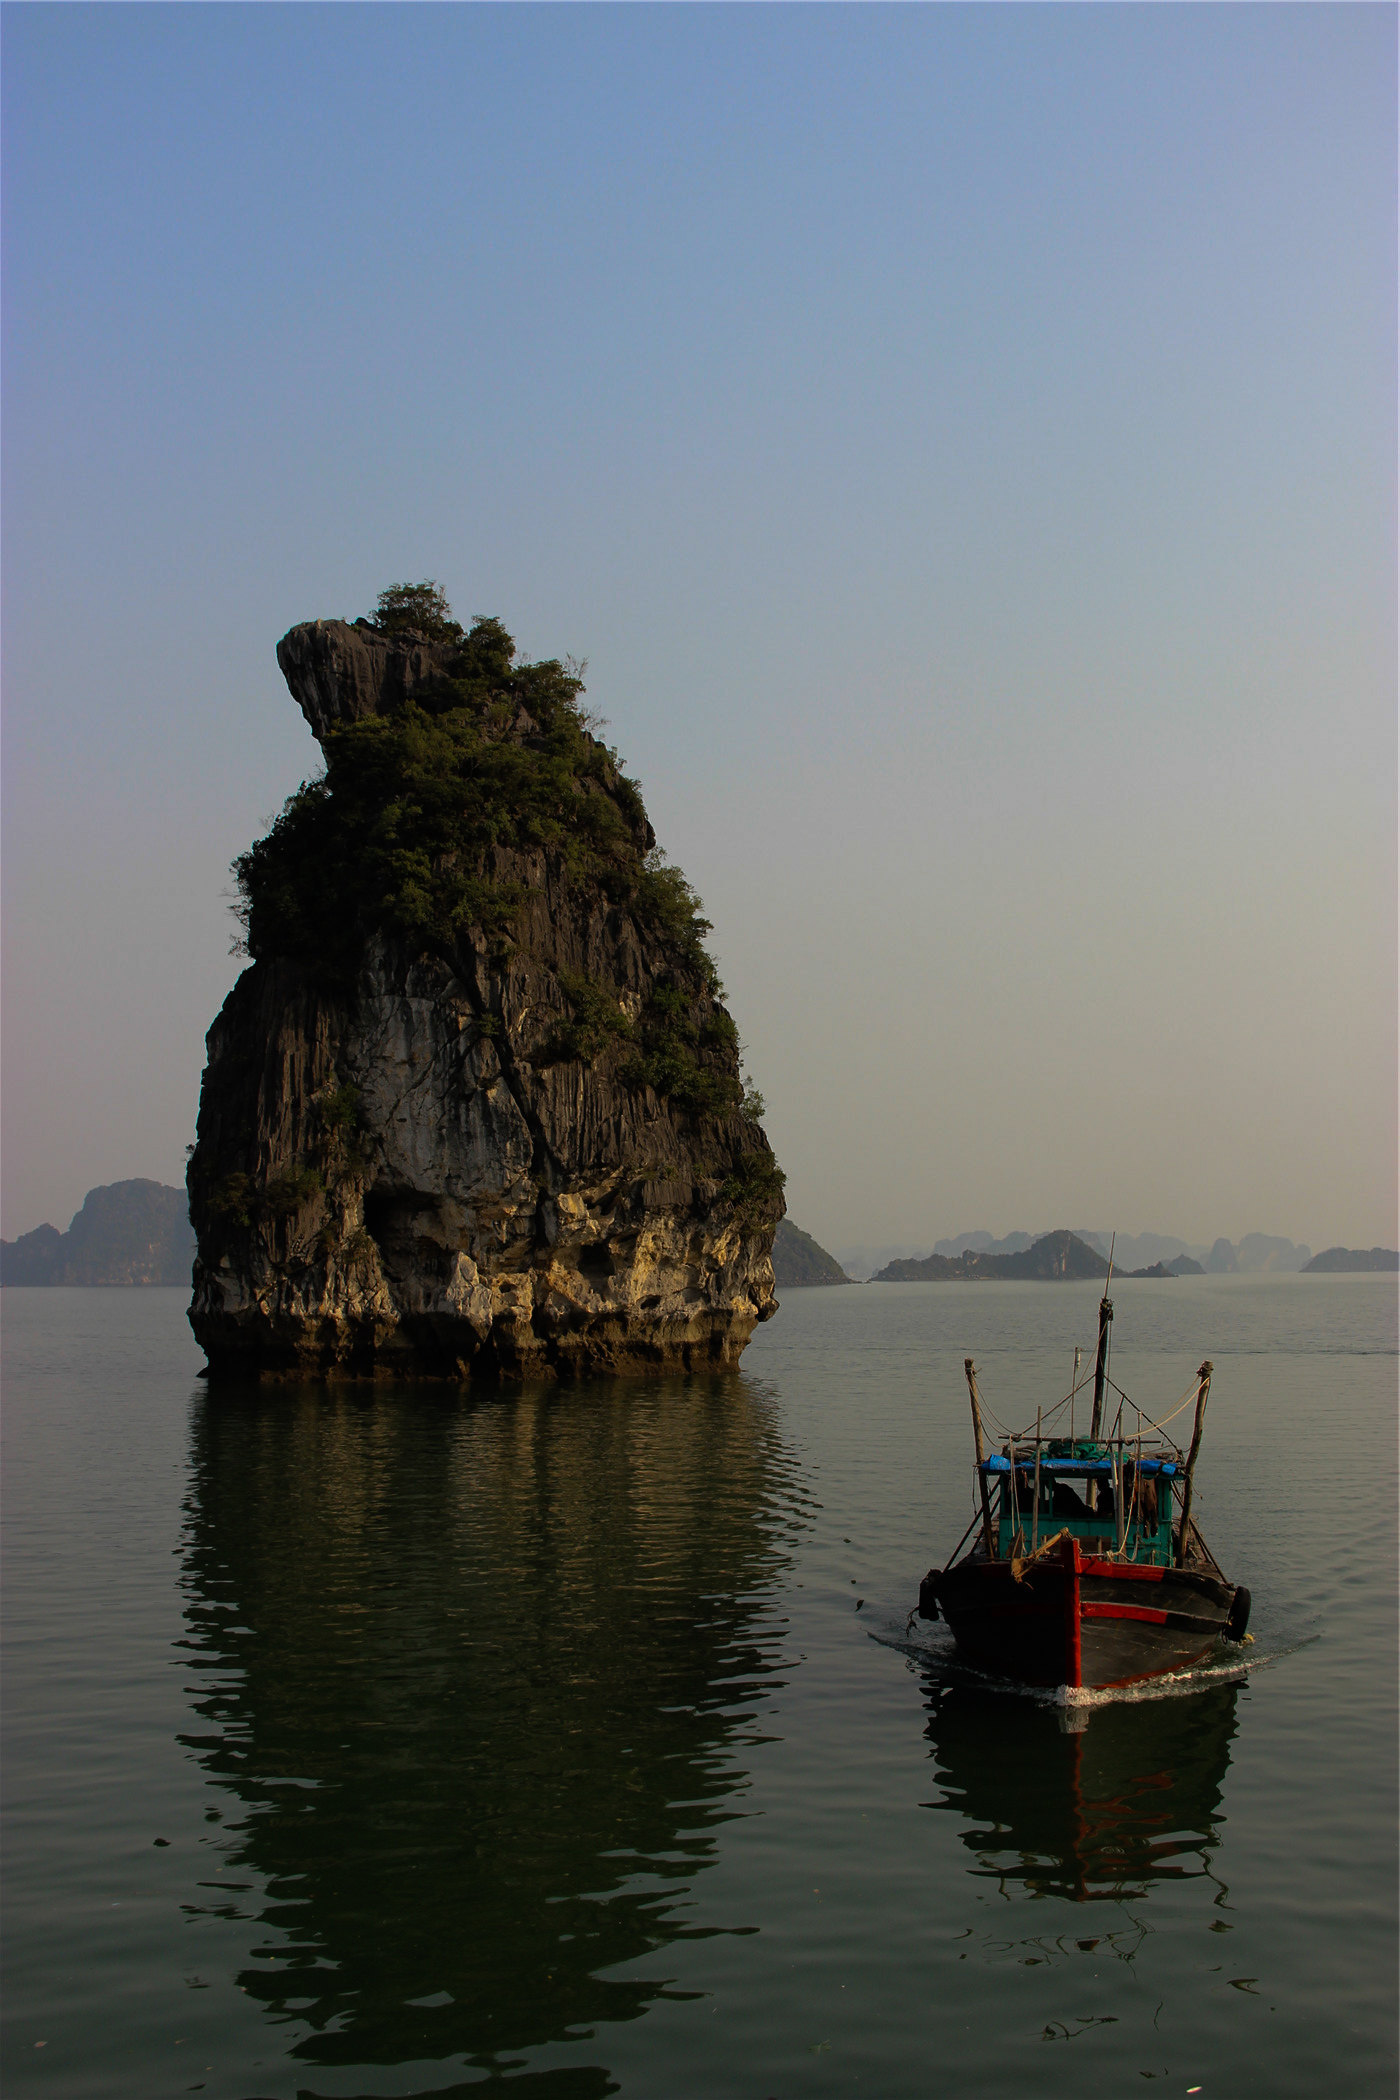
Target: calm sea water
[395, 1742]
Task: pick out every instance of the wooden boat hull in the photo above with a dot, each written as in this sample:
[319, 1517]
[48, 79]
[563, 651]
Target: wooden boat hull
[1084, 1623]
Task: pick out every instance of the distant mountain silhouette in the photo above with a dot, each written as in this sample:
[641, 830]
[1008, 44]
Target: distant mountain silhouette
[127, 1232]
[1256, 1251]
[798, 1260]
[1056, 1257]
[984, 1243]
[1342, 1261]
[1134, 1252]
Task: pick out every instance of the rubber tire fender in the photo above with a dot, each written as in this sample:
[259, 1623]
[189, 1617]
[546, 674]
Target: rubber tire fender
[1239, 1616]
[928, 1595]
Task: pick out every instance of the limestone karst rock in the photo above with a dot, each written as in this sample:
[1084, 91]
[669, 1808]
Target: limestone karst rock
[475, 1108]
[341, 672]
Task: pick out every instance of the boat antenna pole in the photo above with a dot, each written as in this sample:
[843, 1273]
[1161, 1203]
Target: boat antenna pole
[1101, 1360]
[971, 1369]
[1203, 1394]
[1035, 1492]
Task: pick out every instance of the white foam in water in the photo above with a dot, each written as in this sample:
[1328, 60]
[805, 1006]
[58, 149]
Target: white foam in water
[937, 1650]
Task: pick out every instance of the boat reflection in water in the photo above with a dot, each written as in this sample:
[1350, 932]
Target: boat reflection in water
[473, 1683]
[1087, 1802]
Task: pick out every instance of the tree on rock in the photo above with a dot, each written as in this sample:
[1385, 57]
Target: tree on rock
[416, 608]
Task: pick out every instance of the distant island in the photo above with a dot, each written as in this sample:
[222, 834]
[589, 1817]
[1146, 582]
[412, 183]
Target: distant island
[799, 1261]
[1135, 1253]
[127, 1232]
[1346, 1261]
[1057, 1257]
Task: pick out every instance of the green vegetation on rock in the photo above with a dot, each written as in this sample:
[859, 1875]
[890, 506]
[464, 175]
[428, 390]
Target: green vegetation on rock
[394, 837]
[417, 609]
[239, 1199]
[754, 1185]
[401, 837]
[667, 1057]
[663, 1047]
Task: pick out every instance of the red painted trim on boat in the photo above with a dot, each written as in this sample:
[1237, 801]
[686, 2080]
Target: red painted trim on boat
[1069, 1553]
[1124, 1611]
[1123, 1571]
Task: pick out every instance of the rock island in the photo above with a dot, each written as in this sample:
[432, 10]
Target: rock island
[475, 1108]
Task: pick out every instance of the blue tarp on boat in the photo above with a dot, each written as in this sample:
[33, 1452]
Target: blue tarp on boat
[1102, 1467]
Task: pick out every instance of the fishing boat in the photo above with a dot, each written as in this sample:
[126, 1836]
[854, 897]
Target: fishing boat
[1089, 1569]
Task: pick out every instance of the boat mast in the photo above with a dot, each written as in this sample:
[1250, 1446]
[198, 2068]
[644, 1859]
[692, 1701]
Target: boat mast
[1204, 1374]
[971, 1369]
[1101, 1360]
[1035, 1491]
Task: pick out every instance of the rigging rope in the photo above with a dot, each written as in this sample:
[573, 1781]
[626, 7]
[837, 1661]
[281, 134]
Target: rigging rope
[1023, 1435]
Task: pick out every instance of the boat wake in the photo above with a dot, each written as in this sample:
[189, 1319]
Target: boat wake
[932, 1648]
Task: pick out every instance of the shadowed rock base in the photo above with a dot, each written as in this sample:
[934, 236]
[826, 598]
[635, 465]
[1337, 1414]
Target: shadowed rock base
[338, 1350]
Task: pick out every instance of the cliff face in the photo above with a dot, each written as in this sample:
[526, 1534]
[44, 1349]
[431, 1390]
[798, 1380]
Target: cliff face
[505, 1136]
[341, 671]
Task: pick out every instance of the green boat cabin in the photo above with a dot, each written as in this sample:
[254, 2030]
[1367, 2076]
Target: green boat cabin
[1099, 1494]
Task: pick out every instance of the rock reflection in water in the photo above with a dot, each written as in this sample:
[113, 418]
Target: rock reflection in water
[1126, 1796]
[478, 1675]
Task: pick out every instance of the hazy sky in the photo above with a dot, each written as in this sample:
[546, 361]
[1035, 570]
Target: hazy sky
[962, 440]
